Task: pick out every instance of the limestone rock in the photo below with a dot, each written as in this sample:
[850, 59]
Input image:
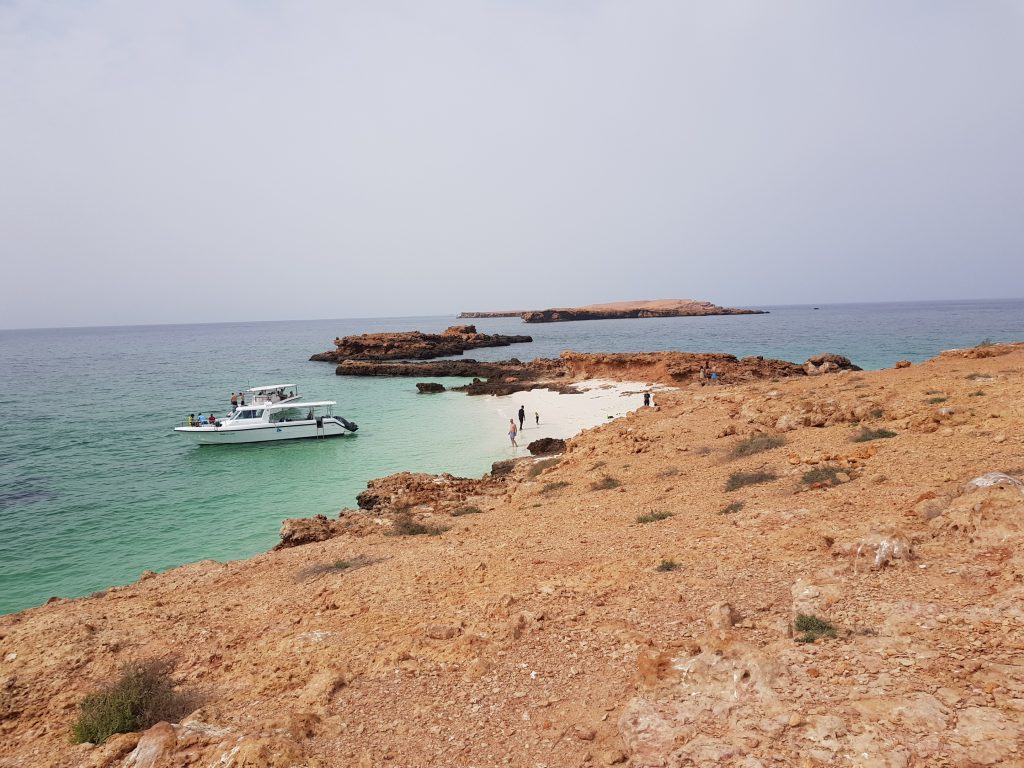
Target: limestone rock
[546, 445]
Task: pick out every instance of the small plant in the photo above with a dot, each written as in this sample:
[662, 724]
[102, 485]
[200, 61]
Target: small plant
[597, 465]
[731, 509]
[872, 434]
[142, 696]
[653, 517]
[404, 525]
[555, 486]
[820, 475]
[668, 472]
[977, 377]
[606, 483]
[986, 342]
[341, 565]
[466, 511]
[667, 565]
[812, 628]
[876, 413]
[740, 479]
[979, 393]
[936, 400]
[539, 466]
[756, 444]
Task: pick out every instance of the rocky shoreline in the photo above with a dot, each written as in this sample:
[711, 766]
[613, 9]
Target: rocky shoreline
[560, 374]
[785, 571]
[413, 345]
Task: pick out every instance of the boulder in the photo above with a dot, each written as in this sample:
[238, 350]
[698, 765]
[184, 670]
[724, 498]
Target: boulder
[297, 531]
[429, 387]
[546, 445]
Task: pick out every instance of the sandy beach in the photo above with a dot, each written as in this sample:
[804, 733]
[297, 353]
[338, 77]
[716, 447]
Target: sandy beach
[564, 416]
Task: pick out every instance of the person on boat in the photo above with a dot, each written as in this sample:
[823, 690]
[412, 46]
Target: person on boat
[211, 419]
[234, 401]
[191, 419]
[241, 398]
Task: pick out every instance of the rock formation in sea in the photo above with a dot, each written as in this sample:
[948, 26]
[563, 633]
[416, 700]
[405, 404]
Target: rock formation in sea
[506, 377]
[414, 345]
[806, 570]
[620, 310]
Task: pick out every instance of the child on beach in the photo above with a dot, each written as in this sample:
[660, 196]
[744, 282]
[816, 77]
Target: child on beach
[512, 432]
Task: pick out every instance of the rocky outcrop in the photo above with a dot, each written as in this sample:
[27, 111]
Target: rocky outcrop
[414, 345]
[472, 315]
[635, 309]
[546, 446]
[674, 368]
[429, 387]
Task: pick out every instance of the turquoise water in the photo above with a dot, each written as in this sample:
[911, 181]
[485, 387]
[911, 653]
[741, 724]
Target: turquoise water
[95, 487]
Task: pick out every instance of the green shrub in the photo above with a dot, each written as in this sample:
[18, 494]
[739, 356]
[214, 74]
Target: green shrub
[141, 697]
[872, 434]
[653, 517]
[822, 475]
[606, 483]
[466, 511]
[740, 479]
[979, 393]
[667, 565]
[555, 486]
[731, 509]
[405, 526]
[756, 444]
[812, 628]
[936, 400]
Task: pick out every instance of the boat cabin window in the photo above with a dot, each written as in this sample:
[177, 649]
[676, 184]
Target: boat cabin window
[250, 414]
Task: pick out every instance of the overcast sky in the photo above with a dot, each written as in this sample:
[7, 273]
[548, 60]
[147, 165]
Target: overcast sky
[204, 161]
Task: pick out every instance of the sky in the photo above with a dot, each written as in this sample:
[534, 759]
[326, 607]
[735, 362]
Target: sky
[203, 161]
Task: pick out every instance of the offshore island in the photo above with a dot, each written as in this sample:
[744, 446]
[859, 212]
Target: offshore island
[620, 310]
[776, 570]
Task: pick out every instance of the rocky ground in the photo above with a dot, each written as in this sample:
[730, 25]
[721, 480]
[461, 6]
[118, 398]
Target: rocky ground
[616, 605]
[413, 345]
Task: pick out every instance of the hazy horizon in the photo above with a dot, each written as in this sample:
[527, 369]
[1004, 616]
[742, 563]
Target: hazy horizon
[179, 163]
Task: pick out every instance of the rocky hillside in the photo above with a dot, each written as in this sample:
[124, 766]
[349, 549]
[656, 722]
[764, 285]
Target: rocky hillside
[814, 571]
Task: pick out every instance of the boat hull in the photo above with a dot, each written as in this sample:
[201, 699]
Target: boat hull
[295, 430]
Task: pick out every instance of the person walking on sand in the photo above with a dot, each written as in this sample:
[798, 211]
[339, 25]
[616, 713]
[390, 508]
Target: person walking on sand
[647, 399]
[522, 416]
[512, 432]
[702, 374]
[536, 418]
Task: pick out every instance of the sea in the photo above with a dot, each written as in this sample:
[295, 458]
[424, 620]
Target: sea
[96, 488]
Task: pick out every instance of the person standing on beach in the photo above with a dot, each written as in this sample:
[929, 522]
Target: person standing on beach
[536, 418]
[522, 416]
[512, 432]
[702, 374]
[647, 399]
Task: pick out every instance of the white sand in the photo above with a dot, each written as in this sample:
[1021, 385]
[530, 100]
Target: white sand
[563, 415]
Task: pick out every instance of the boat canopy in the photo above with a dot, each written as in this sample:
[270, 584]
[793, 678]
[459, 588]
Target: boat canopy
[284, 405]
[272, 388]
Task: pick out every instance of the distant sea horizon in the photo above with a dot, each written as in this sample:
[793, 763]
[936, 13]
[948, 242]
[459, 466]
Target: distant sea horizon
[456, 314]
[95, 487]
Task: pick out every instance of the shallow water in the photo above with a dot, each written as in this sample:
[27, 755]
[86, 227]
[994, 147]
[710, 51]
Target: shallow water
[95, 487]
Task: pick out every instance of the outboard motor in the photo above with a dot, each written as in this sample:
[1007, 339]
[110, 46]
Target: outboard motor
[351, 426]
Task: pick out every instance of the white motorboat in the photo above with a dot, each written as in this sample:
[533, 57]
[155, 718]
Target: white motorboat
[274, 412]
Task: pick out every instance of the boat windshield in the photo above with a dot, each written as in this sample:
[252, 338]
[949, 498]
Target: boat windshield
[247, 413]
